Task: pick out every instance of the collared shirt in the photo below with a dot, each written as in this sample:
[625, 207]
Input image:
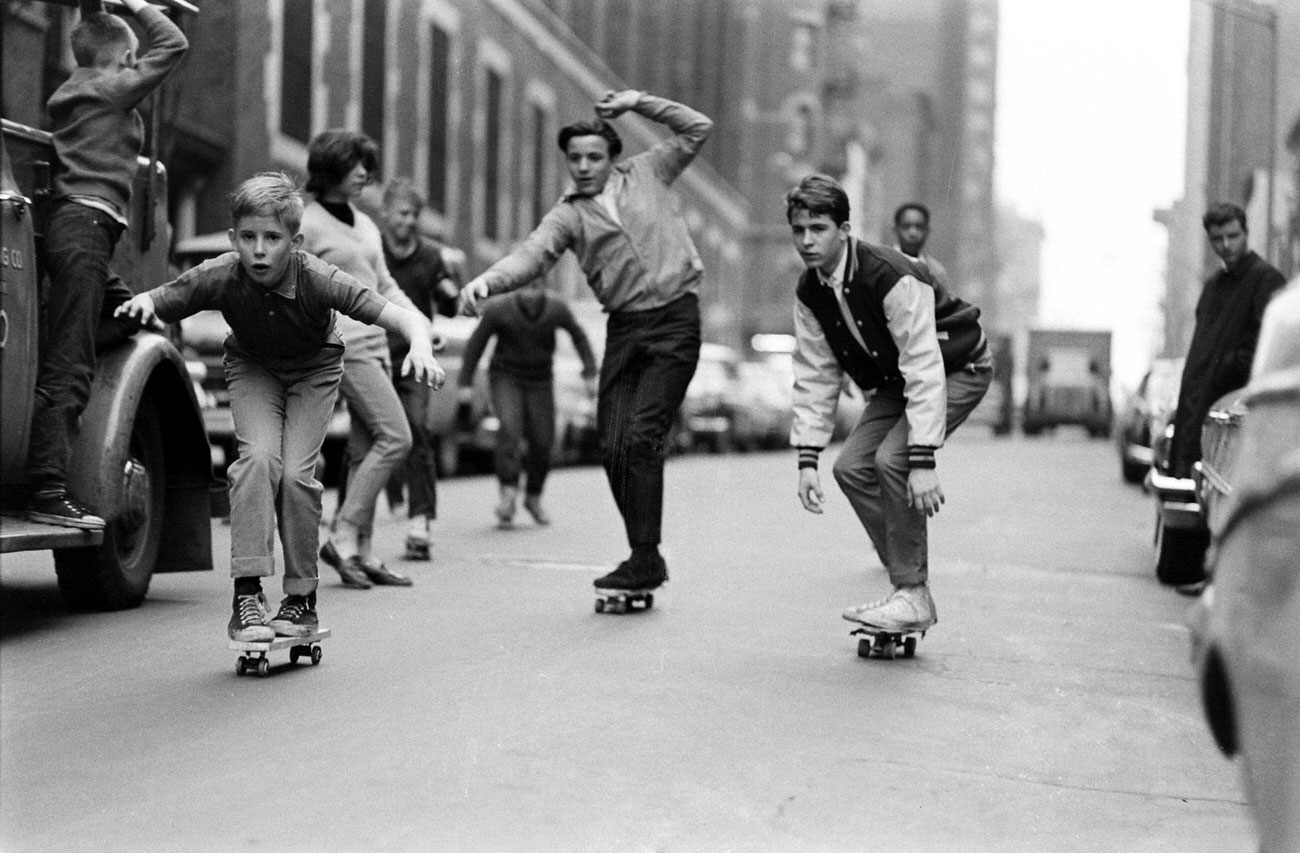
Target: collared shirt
[835, 281]
[639, 255]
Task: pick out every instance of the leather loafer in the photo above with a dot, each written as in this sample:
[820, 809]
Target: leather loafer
[381, 575]
[351, 571]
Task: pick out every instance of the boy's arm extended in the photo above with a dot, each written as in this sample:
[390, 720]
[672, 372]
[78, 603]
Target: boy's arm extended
[419, 361]
[538, 253]
[690, 128]
[167, 46]
[474, 348]
[580, 341]
[196, 290]
[817, 382]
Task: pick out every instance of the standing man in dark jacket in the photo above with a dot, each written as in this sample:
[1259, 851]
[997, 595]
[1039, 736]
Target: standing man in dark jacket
[523, 390]
[1228, 317]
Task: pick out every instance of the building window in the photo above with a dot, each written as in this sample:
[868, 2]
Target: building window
[374, 68]
[803, 39]
[493, 88]
[439, 96]
[296, 69]
[540, 152]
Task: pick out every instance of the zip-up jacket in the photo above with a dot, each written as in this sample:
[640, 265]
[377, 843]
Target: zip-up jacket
[643, 258]
[908, 332]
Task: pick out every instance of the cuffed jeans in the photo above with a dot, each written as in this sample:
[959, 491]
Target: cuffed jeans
[379, 439]
[872, 471]
[79, 242]
[526, 412]
[280, 421]
[650, 357]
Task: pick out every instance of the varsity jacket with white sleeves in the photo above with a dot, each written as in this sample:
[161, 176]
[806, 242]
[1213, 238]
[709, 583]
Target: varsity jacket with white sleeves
[910, 334]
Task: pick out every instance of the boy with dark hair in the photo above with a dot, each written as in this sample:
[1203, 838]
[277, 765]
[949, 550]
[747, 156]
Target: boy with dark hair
[283, 365]
[97, 135]
[417, 266]
[1228, 317]
[623, 222]
[872, 314]
[911, 232]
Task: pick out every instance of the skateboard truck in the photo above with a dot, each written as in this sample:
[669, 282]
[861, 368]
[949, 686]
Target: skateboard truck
[255, 659]
[621, 600]
[886, 644]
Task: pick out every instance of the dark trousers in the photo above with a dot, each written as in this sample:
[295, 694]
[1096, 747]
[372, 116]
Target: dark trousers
[650, 357]
[526, 412]
[79, 242]
[421, 472]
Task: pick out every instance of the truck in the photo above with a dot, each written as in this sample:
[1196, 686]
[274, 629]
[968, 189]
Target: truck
[141, 459]
[1067, 381]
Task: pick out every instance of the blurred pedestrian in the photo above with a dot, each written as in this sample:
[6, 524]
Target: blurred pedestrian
[911, 232]
[417, 265]
[1228, 317]
[875, 316]
[523, 389]
[623, 222]
[340, 164]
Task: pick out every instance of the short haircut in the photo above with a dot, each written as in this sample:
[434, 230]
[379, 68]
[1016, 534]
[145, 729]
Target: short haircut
[97, 37]
[271, 194]
[400, 190]
[912, 205]
[332, 154]
[1222, 213]
[818, 194]
[591, 127]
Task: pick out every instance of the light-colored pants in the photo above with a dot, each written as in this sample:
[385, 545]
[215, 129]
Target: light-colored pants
[379, 440]
[280, 421]
[872, 471]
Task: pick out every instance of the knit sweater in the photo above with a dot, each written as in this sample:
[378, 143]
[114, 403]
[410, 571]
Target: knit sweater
[97, 131]
[358, 250]
[525, 325]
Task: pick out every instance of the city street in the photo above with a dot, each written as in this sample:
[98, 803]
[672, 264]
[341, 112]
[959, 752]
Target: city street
[490, 708]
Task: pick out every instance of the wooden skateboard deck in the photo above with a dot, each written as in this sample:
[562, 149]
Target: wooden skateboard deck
[255, 659]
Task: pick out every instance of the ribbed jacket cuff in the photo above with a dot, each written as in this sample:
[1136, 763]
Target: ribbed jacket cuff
[920, 456]
[808, 457]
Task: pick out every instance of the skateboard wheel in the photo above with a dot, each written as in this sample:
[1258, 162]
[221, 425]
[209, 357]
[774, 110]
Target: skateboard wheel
[600, 605]
[241, 665]
[263, 668]
[649, 601]
[315, 655]
[864, 648]
[889, 650]
[294, 654]
[909, 647]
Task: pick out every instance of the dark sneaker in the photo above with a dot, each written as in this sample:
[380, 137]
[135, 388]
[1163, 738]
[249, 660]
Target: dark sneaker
[620, 578]
[297, 616]
[653, 574]
[248, 623]
[351, 574]
[533, 503]
[417, 547]
[379, 574]
[63, 510]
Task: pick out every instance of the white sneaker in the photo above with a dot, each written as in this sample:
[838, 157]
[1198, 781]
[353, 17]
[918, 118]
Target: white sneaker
[906, 610]
[853, 613]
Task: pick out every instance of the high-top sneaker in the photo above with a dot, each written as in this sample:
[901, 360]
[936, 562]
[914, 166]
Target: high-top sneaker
[63, 510]
[297, 616]
[907, 609]
[505, 509]
[621, 578]
[248, 622]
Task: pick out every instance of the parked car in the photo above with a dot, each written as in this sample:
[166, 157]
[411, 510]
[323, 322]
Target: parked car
[1152, 402]
[1068, 376]
[1185, 505]
[761, 404]
[705, 418]
[1246, 627]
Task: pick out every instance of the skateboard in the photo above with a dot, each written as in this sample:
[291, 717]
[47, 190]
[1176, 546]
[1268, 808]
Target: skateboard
[416, 549]
[299, 647]
[886, 644]
[621, 600]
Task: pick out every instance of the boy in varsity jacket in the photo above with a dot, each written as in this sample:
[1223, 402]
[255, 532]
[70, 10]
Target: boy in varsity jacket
[872, 314]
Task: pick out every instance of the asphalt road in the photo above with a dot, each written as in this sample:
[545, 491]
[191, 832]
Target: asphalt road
[489, 708]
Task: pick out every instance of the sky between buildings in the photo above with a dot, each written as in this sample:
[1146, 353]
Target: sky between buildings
[1092, 99]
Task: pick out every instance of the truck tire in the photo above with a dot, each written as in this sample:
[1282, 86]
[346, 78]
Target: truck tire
[1180, 555]
[116, 575]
